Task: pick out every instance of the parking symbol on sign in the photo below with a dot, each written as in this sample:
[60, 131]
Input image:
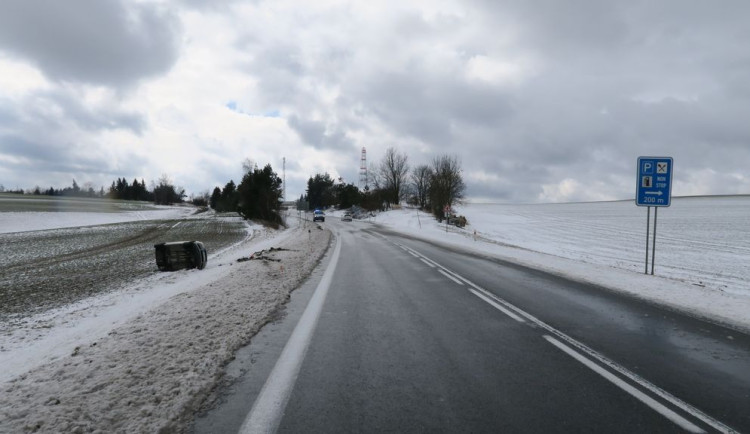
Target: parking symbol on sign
[654, 181]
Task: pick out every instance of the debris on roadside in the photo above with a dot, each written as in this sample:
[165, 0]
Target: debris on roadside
[263, 255]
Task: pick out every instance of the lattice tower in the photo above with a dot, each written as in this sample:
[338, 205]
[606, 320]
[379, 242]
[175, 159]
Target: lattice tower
[363, 170]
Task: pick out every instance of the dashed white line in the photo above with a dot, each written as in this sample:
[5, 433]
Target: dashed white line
[509, 309]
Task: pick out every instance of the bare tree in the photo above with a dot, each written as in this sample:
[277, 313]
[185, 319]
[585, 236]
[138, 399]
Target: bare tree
[447, 185]
[394, 171]
[248, 165]
[374, 181]
[421, 177]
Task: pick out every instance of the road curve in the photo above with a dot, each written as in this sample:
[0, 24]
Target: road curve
[414, 336]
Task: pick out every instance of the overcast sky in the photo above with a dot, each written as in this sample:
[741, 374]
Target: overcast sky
[542, 101]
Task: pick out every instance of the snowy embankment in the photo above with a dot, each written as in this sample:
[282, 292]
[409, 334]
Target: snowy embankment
[144, 359]
[39, 221]
[702, 247]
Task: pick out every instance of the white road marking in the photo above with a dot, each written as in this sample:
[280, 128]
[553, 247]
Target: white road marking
[450, 277]
[269, 406]
[430, 261]
[431, 265]
[496, 305]
[637, 394]
[496, 302]
[656, 390]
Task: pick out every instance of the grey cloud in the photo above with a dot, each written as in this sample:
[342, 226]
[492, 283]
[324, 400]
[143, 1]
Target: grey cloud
[279, 71]
[93, 118]
[210, 5]
[562, 28]
[316, 134]
[47, 136]
[59, 109]
[429, 106]
[54, 157]
[493, 191]
[55, 163]
[606, 82]
[113, 43]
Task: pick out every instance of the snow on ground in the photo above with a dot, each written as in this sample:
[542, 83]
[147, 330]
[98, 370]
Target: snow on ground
[37, 221]
[143, 359]
[702, 247]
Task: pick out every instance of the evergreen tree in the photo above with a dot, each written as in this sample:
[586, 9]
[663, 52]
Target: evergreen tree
[215, 198]
[229, 198]
[259, 195]
[320, 191]
[347, 195]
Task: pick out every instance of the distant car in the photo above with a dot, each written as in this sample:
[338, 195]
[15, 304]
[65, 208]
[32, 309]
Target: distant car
[319, 216]
[347, 217]
[178, 255]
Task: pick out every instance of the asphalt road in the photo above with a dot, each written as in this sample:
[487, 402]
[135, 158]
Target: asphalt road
[415, 337]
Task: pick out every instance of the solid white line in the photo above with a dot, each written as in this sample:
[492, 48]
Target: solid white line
[656, 390]
[496, 306]
[434, 264]
[637, 394]
[426, 262]
[450, 277]
[449, 272]
[269, 406]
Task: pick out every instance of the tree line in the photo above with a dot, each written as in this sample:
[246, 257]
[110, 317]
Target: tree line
[433, 187]
[161, 193]
[257, 197]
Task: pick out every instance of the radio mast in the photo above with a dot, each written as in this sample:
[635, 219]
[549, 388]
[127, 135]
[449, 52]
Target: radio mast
[283, 179]
[363, 171]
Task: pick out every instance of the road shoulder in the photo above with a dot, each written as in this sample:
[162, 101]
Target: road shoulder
[154, 371]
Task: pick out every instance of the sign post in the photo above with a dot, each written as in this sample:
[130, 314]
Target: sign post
[653, 188]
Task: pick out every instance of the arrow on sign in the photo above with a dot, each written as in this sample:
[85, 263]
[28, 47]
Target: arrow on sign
[658, 193]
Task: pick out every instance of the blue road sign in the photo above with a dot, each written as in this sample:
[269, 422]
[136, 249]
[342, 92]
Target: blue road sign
[654, 182]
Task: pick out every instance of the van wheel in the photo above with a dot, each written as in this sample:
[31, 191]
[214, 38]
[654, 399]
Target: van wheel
[198, 259]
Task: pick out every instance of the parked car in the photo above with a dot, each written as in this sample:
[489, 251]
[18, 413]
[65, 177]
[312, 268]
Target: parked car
[347, 217]
[178, 255]
[319, 216]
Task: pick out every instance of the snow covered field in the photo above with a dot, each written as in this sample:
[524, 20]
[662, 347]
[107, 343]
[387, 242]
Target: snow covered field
[702, 248]
[24, 221]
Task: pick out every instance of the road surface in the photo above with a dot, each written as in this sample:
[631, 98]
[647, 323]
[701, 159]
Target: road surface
[402, 335]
